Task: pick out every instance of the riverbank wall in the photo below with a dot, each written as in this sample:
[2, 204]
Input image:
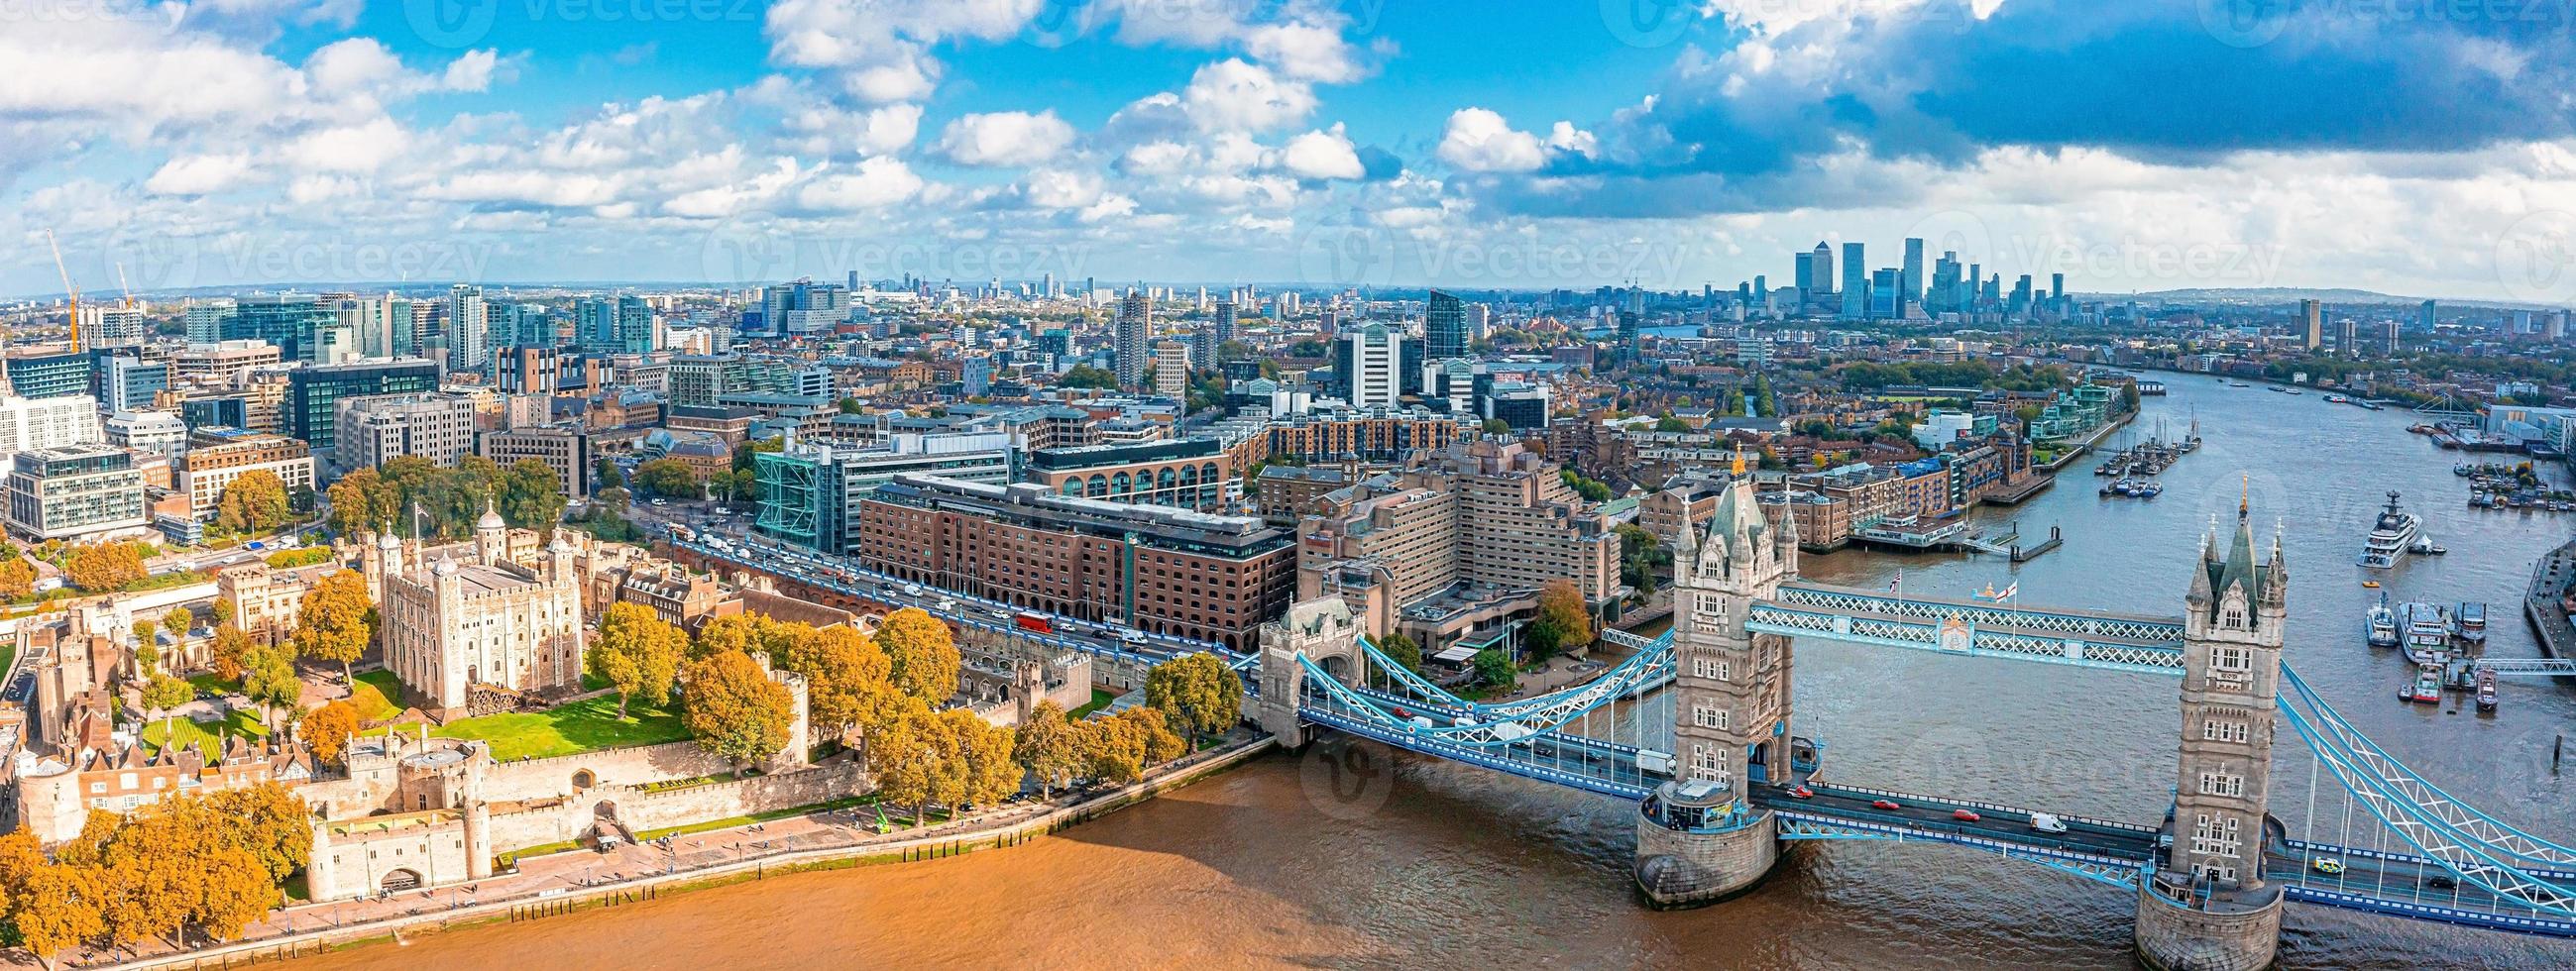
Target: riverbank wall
[538, 907]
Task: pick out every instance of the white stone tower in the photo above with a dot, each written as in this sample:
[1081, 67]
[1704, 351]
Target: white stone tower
[1699, 838]
[2208, 908]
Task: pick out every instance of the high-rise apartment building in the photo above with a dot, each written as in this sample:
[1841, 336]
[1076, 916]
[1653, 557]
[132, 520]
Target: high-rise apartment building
[1172, 370]
[1132, 327]
[469, 329]
[2312, 323]
[1444, 327]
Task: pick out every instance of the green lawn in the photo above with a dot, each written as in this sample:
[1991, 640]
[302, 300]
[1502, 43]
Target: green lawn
[1099, 700]
[376, 696]
[210, 682]
[161, 732]
[578, 727]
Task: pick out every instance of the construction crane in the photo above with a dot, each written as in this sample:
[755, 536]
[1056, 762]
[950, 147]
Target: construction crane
[69, 291]
[124, 286]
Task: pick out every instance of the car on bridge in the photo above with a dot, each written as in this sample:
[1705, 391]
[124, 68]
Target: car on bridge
[1887, 805]
[2047, 823]
[1966, 815]
[2326, 865]
[1801, 792]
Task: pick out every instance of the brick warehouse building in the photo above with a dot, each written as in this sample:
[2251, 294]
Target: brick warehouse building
[1159, 569]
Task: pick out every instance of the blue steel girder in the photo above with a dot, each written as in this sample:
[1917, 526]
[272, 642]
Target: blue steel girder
[2394, 776]
[1806, 825]
[2075, 650]
[1600, 783]
[2089, 624]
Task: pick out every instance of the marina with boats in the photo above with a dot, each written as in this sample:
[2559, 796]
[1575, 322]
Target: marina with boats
[2133, 469]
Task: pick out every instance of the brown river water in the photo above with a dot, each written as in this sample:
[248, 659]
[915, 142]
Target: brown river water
[1358, 857]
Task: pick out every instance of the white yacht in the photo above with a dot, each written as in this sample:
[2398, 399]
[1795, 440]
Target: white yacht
[2390, 537]
[2383, 624]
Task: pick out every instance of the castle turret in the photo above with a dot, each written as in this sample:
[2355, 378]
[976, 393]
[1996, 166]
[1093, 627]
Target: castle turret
[491, 536]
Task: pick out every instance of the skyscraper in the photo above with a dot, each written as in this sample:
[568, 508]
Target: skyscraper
[1855, 284]
[1444, 327]
[2312, 323]
[469, 328]
[1909, 280]
[1821, 264]
[1132, 326]
[1803, 276]
[1886, 293]
[1172, 370]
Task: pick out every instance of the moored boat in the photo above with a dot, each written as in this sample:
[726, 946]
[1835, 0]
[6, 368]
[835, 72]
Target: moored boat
[2390, 536]
[2382, 624]
[2472, 621]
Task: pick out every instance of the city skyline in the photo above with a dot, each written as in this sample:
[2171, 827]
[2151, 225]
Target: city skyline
[267, 145]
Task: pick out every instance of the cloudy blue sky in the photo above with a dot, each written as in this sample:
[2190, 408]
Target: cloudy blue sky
[2133, 145]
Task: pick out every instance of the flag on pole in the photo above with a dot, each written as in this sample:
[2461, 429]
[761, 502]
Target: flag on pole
[1998, 596]
[1897, 585]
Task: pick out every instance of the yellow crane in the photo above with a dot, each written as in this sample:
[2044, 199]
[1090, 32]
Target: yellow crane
[69, 291]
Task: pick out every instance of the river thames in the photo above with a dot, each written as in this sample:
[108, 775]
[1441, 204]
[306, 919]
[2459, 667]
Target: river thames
[1359, 857]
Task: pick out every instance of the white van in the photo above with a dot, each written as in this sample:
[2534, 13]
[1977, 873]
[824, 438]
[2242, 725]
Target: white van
[2047, 823]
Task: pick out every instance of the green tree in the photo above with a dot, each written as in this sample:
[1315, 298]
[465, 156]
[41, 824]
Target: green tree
[734, 709]
[147, 643]
[231, 646]
[1049, 747]
[532, 496]
[1113, 749]
[923, 652]
[851, 406]
[1497, 426]
[179, 621]
[1401, 648]
[668, 479]
[1495, 668]
[268, 678]
[162, 696]
[607, 475]
[1197, 692]
[637, 653]
[1086, 376]
[254, 502]
[333, 622]
[1671, 425]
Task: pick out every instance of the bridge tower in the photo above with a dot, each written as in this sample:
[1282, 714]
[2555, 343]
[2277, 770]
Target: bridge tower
[1322, 629]
[2207, 906]
[1700, 839]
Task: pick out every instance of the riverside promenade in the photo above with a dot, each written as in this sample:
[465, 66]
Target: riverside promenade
[572, 881]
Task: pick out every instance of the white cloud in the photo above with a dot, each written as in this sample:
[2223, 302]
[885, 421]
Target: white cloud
[1479, 140]
[1060, 189]
[1322, 155]
[873, 184]
[197, 175]
[354, 148]
[1232, 95]
[1005, 138]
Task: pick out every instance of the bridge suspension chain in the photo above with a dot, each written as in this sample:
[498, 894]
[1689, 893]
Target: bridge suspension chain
[2413, 787]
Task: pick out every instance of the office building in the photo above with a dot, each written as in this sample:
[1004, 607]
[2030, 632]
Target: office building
[130, 382]
[217, 456]
[2312, 323]
[40, 423]
[204, 319]
[77, 493]
[1132, 327]
[1155, 568]
[290, 322]
[374, 429]
[313, 394]
[1191, 473]
[158, 432]
[528, 369]
[46, 373]
[1909, 280]
[1375, 366]
[810, 494]
[224, 364]
[1855, 284]
[565, 450]
[1444, 327]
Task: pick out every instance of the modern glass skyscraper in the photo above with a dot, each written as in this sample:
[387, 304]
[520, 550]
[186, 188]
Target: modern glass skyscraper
[313, 394]
[1855, 284]
[286, 321]
[1444, 327]
[1909, 282]
[469, 328]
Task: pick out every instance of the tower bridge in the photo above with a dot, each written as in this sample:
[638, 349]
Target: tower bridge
[1694, 727]
[2210, 879]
